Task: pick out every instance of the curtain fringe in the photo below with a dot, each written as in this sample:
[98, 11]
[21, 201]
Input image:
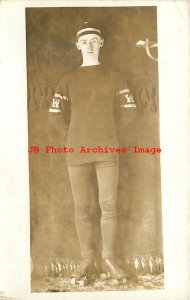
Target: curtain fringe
[62, 267]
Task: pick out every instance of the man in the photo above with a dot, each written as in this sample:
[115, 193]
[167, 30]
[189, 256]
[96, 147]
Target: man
[94, 93]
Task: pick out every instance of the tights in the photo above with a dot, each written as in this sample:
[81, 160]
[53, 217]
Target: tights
[107, 176]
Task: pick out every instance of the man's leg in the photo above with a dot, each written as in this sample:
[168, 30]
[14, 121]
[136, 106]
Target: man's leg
[80, 183]
[107, 175]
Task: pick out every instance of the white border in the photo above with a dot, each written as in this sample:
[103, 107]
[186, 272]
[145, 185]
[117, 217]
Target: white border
[173, 33]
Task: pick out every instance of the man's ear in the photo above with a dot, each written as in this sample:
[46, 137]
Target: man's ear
[78, 46]
[102, 43]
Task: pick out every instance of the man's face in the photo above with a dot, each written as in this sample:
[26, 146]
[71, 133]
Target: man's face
[90, 45]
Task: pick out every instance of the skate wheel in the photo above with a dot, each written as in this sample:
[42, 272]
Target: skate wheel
[83, 282]
[74, 281]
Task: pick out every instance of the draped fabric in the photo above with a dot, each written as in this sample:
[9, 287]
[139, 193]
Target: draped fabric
[54, 241]
[50, 53]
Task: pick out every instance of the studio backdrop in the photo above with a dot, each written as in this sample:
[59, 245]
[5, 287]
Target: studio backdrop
[51, 52]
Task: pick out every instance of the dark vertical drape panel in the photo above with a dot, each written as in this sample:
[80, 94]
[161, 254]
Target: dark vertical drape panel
[51, 52]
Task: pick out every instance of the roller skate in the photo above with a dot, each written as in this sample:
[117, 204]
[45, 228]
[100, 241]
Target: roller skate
[112, 272]
[85, 273]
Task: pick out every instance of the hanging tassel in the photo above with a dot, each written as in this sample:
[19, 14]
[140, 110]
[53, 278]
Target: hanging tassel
[158, 263]
[58, 267]
[155, 98]
[151, 264]
[146, 94]
[71, 266]
[154, 266]
[161, 265]
[126, 265]
[147, 269]
[67, 269]
[140, 266]
[145, 263]
[143, 99]
[48, 268]
[131, 268]
[54, 271]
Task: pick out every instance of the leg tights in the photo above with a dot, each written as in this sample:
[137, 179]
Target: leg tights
[107, 176]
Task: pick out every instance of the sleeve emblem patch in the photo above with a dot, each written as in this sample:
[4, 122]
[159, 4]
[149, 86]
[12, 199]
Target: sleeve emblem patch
[129, 98]
[55, 103]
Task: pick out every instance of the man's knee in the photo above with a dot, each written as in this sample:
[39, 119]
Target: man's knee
[108, 208]
[82, 211]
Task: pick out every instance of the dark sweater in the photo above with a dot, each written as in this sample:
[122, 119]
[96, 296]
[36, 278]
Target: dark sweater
[92, 93]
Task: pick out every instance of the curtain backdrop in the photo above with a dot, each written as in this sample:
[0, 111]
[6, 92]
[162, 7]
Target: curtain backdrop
[51, 52]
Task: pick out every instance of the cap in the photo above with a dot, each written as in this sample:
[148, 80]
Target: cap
[88, 28]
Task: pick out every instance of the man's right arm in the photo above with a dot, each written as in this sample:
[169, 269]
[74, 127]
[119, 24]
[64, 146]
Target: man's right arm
[59, 109]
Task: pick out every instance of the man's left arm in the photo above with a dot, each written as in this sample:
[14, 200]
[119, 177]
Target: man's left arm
[126, 109]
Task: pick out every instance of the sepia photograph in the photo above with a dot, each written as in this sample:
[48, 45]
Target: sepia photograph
[94, 170]
[94, 149]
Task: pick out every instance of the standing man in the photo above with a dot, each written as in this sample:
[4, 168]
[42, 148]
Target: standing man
[93, 92]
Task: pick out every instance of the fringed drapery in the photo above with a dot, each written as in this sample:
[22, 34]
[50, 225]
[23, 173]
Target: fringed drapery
[133, 265]
[54, 243]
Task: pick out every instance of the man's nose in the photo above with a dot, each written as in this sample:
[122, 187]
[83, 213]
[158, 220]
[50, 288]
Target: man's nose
[90, 46]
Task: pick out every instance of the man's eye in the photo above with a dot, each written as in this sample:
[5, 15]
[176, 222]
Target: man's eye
[94, 41]
[83, 43]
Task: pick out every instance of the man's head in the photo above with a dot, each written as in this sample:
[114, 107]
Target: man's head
[89, 41]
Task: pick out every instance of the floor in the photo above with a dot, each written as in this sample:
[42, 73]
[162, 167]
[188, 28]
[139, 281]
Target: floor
[140, 282]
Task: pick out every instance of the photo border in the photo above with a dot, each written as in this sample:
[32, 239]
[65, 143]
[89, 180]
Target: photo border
[173, 32]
